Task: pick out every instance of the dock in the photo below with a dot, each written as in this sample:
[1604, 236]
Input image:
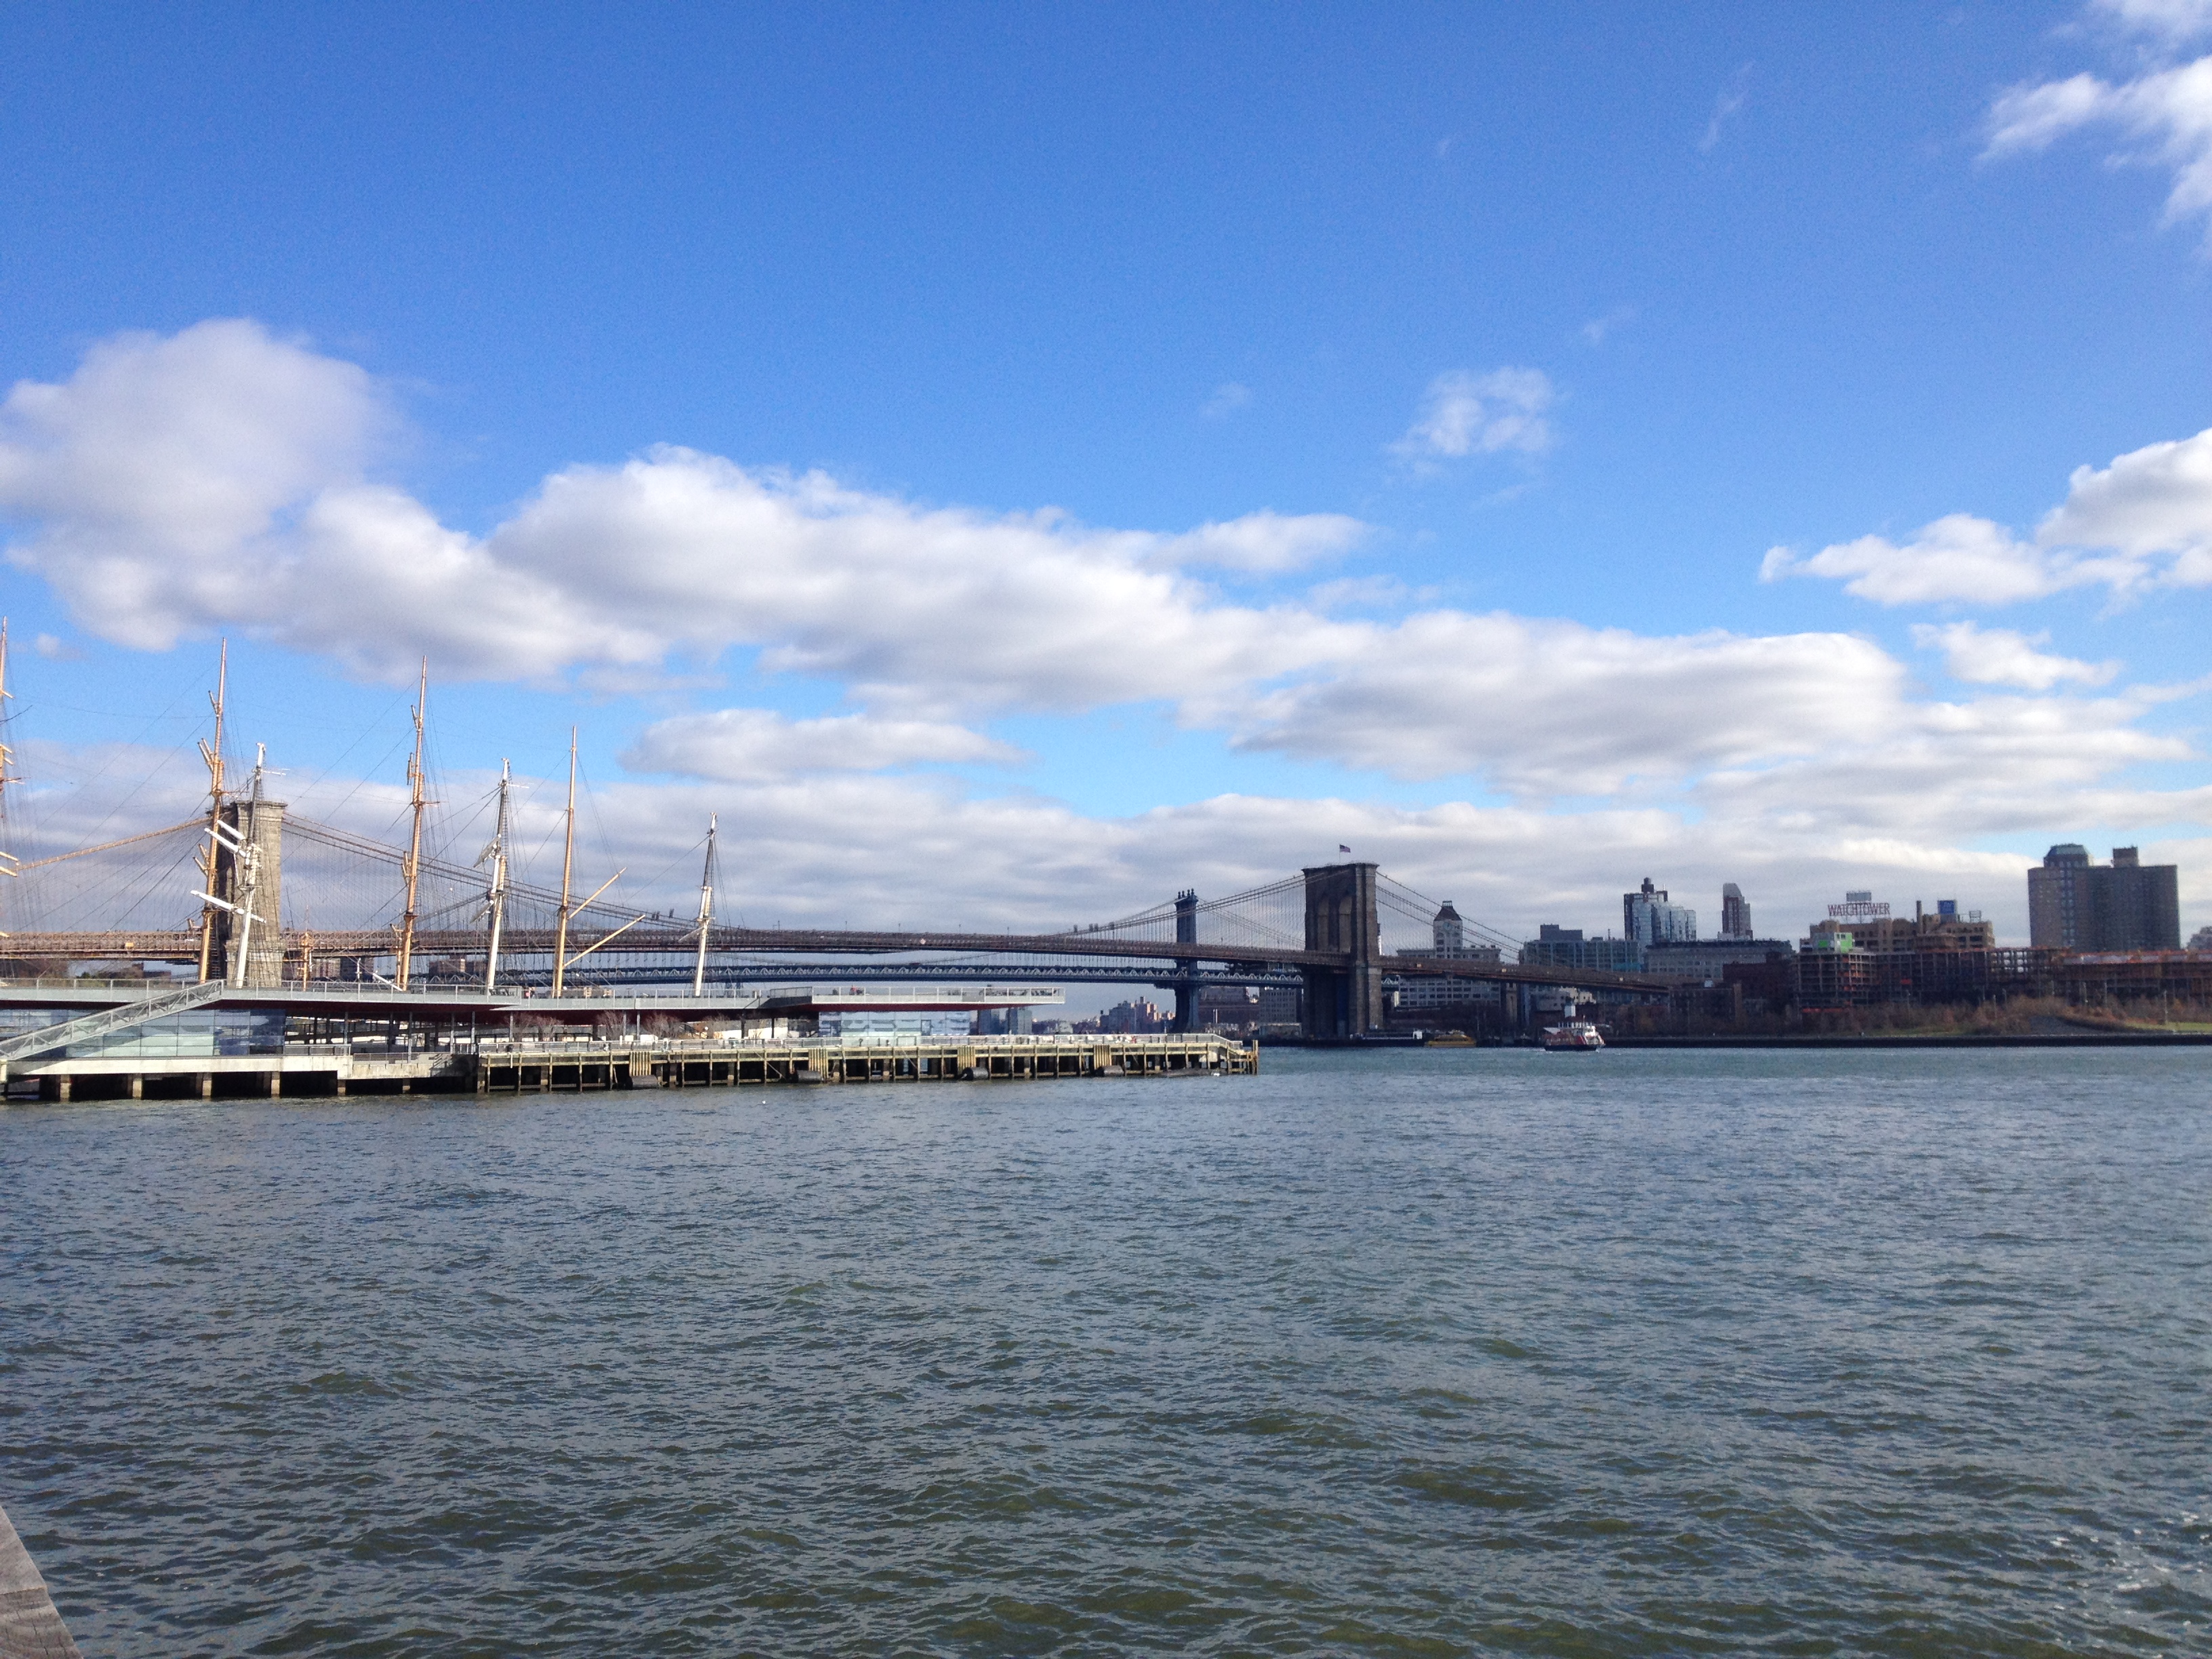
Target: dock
[309, 1070]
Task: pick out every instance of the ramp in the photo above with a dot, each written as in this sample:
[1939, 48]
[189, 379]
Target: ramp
[85, 1027]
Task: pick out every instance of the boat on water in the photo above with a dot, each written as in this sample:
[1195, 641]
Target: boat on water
[1575, 1037]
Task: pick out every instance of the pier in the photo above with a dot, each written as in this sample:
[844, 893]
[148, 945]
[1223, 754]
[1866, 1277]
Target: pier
[813, 1060]
[576, 1067]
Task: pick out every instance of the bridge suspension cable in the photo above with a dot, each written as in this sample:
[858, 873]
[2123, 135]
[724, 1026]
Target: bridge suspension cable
[1417, 906]
[109, 845]
[346, 841]
[1232, 913]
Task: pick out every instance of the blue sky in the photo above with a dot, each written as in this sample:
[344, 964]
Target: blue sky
[1531, 332]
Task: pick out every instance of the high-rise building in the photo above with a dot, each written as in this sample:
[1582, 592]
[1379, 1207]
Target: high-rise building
[1647, 917]
[1735, 911]
[2075, 904]
[2139, 908]
[2059, 909]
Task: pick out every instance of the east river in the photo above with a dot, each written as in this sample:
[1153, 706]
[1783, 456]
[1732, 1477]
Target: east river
[1434, 1353]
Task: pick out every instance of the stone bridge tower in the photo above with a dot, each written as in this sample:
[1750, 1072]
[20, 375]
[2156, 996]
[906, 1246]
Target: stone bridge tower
[250, 876]
[1186, 983]
[1341, 915]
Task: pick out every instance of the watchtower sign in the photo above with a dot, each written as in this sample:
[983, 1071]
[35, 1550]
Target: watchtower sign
[1859, 910]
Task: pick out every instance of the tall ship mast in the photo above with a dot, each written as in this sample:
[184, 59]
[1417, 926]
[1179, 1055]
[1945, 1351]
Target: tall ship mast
[568, 871]
[7, 758]
[417, 799]
[706, 908]
[211, 752]
[495, 894]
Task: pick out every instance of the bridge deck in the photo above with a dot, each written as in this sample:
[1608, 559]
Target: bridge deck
[755, 941]
[444, 1001]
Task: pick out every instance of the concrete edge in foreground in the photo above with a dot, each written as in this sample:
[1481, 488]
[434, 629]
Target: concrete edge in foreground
[30, 1628]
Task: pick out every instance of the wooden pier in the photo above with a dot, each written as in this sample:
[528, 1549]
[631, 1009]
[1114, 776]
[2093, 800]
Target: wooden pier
[331, 1070]
[811, 1060]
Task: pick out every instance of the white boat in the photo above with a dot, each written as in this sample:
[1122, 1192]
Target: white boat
[1576, 1036]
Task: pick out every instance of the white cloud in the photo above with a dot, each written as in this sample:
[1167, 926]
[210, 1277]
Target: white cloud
[1464, 414]
[1364, 593]
[1594, 333]
[1998, 656]
[2169, 21]
[1728, 104]
[923, 850]
[2144, 521]
[155, 512]
[854, 849]
[1942, 773]
[54, 648]
[751, 745]
[2152, 502]
[2168, 111]
[1227, 398]
[2030, 118]
[1957, 557]
[929, 618]
[1262, 543]
[1553, 708]
[159, 472]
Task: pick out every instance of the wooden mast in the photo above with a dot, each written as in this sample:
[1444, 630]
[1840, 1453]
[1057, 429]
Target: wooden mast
[6, 754]
[8, 859]
[706, 908]
[495, 896]
[247, 855]
[211, 752]
[568, 868]
[416, 800]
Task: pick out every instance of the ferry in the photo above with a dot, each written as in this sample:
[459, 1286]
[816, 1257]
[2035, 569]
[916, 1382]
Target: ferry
[1576, 1036]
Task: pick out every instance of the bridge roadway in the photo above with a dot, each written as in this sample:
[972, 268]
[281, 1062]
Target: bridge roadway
[1037, 970]
[675, 940]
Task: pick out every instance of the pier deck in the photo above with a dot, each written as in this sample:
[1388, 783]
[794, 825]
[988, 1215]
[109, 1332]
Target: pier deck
[531, 1068]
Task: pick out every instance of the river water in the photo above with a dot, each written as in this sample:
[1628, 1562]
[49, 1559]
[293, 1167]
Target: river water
[1434, 1352]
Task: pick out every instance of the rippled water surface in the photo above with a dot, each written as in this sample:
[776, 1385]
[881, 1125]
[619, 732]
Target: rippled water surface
[1411, 1353]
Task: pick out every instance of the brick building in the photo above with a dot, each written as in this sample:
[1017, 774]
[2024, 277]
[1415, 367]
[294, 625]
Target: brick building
[2075, 904]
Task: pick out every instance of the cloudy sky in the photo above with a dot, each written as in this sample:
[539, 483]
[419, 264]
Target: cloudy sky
[1013, 464]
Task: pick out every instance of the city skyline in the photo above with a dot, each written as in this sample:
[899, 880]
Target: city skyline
[987, 465]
